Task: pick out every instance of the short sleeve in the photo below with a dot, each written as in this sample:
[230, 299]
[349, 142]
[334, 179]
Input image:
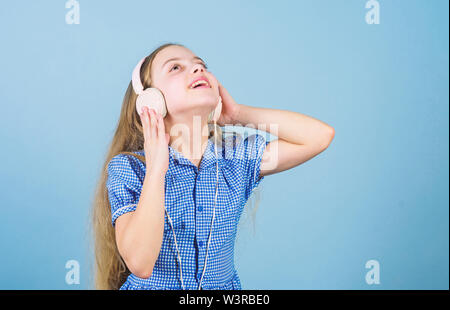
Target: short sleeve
[124, 185]
[253, 148]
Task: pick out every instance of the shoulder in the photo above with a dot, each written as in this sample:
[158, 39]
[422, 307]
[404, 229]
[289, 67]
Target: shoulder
[125, 165]
[244, 146]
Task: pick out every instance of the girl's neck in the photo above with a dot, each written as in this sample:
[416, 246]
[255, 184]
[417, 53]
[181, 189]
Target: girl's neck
[190, 140]
[192, 148]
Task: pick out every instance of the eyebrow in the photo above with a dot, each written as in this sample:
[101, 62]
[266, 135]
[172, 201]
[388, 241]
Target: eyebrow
[177, 58]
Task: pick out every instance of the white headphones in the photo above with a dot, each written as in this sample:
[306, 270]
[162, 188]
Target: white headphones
[153, 98]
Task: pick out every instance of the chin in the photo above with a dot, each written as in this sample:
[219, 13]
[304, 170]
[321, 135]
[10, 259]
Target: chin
[203, 99]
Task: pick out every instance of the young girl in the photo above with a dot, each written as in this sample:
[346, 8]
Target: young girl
[167, 207]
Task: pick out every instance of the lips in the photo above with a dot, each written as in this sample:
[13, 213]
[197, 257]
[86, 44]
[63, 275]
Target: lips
[202, 86]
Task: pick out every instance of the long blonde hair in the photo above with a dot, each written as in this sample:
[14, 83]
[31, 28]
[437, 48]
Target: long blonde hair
[110, 270]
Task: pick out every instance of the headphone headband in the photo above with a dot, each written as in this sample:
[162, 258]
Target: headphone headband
[136, 78]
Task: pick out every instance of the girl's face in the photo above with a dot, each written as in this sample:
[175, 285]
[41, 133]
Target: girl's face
[173, 70]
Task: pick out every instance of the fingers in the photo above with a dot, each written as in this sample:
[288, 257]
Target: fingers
[153, 134]
[153, 125]
[161, 130]
[145, 124]
[167, 138]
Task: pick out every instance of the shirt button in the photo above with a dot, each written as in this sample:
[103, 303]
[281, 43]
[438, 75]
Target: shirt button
[182, 226]
[200, 209]
[200, 243]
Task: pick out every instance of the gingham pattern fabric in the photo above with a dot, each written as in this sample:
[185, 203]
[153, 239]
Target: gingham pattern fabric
[189, 200]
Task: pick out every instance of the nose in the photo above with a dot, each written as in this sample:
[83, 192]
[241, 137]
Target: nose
[197, 68]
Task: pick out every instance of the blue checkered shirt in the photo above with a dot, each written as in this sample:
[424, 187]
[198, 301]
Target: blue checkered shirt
[189, 200]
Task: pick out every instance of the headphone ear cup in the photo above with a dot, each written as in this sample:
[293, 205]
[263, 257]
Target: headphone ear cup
[152, 98]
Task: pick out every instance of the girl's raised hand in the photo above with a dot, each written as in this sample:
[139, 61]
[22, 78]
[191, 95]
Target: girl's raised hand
[156, 141]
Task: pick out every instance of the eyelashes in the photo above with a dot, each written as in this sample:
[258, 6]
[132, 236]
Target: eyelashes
[176, 65]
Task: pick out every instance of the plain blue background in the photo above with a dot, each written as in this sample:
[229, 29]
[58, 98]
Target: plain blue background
[380, 191]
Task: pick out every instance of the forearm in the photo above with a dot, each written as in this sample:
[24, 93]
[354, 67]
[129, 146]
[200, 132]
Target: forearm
[290, 126]
[143, 235]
